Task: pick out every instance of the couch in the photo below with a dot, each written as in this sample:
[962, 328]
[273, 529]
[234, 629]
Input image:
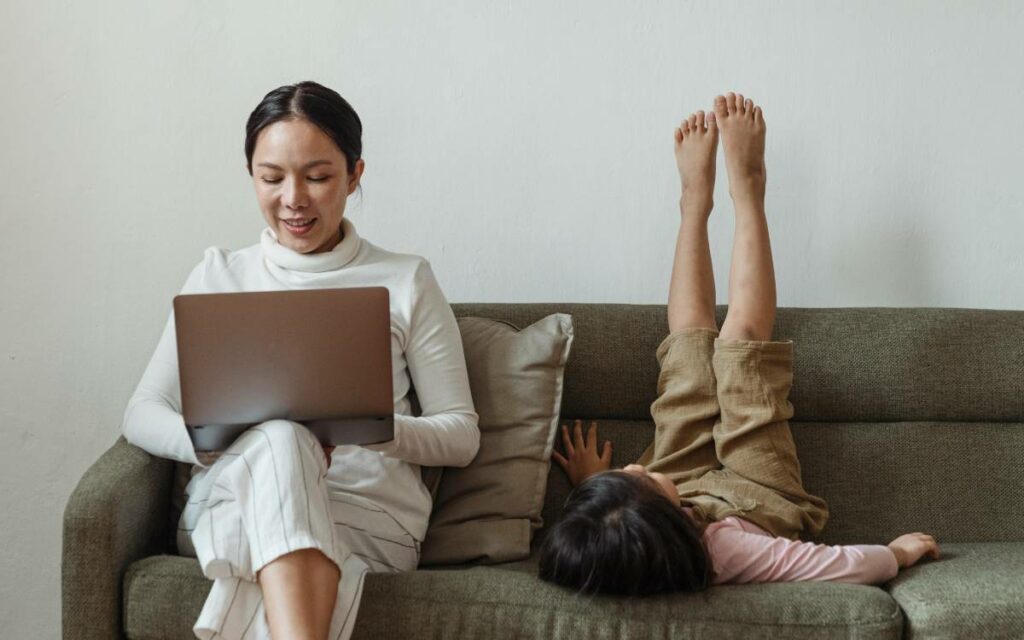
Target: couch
[906, 420]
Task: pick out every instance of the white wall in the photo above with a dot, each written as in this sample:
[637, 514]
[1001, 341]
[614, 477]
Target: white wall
[523, 147]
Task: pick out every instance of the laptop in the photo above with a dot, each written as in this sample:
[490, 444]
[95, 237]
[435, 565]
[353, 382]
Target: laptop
[320, 357]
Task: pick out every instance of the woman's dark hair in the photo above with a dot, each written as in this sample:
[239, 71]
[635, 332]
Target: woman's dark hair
[316, 103]
[620, 535]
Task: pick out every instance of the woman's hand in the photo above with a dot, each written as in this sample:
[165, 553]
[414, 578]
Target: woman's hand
[582, 459]
[911, 547]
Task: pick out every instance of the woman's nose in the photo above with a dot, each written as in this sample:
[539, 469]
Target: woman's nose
[294, 196]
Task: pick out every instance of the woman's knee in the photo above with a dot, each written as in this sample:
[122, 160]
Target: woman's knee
[281, 435]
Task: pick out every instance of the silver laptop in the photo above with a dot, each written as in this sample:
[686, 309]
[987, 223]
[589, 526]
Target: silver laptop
[320, 357]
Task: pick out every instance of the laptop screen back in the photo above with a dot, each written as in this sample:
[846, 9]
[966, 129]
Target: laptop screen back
[320, 354]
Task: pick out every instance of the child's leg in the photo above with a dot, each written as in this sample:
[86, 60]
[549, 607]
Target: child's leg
[691, 293]
[752, 274]
[687, 406]
[753, 439]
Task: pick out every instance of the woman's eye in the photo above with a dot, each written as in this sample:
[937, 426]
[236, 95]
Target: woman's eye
[318, 178]
[271, 180]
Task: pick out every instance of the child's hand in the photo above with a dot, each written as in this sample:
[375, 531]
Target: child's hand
[582, 460]
[911, 547]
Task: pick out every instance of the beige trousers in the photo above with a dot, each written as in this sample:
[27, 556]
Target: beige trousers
[722, 432]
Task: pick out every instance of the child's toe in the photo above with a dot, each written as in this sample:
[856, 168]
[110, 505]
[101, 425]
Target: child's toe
[720, 107]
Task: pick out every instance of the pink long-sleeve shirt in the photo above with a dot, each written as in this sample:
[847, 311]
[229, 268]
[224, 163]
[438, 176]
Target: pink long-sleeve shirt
[742, 552]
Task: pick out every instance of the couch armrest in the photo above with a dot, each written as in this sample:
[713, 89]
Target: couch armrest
[116, 515]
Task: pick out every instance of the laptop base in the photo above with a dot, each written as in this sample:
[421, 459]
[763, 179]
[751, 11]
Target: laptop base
[330, 433]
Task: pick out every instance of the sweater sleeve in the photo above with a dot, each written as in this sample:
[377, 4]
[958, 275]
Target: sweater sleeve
[742, 553]
[153, 420]
[446, 434]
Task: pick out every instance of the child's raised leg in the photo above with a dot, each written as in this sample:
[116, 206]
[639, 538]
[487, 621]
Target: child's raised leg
[687, 405]
[752, 273]
[691, 293]
[752, 438]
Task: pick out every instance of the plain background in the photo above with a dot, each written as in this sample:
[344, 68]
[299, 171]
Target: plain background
[525, 148]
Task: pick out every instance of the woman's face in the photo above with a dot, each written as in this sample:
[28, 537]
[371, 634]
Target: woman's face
[302, 183]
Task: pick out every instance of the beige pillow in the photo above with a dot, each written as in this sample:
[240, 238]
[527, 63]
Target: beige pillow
[487, 512]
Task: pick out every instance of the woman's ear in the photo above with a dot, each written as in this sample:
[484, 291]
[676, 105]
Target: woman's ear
[357, 174]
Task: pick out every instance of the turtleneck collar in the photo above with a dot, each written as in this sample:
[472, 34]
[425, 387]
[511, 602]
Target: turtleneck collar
[342, 254]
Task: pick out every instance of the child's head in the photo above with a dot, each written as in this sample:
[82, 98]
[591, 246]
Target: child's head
[620, 534]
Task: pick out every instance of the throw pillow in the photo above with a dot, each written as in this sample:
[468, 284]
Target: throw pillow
[487, 512]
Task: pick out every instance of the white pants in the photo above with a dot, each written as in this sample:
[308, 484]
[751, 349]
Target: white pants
[267, 496]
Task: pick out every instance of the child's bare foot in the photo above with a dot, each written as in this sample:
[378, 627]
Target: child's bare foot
[696, 145]
[743, 130]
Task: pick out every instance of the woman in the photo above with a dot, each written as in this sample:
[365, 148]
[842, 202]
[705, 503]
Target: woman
[717, 498]
[286, 532]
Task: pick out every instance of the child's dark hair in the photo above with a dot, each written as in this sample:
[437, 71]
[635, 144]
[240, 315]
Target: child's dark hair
[620, 535]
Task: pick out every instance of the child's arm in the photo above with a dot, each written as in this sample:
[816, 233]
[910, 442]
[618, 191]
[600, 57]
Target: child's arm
[581, 460]
[742, 553]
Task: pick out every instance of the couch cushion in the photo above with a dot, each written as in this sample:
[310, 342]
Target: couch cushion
[974, 591]
[163, 596]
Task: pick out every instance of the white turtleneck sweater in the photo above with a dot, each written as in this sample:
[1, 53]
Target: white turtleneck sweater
[426, 351]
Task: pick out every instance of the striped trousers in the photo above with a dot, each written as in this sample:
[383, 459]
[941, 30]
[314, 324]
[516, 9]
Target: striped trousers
[267, 496]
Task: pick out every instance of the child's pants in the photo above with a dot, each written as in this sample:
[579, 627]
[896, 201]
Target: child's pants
[722, 432]
[264, 497]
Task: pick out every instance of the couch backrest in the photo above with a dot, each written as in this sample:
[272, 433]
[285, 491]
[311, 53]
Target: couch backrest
[906, 419]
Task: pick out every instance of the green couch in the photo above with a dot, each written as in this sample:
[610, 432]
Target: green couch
[906, 420]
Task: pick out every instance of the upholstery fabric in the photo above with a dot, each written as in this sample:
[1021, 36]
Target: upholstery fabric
[163, 595]
[113, 517]
[852, 365]
[975, 591]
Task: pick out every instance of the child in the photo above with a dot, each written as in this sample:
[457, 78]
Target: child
[717, 497]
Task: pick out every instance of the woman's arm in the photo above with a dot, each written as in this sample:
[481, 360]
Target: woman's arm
[446, 434]
[153, 420]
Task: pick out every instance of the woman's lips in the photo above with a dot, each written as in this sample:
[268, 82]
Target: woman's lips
[299, 227]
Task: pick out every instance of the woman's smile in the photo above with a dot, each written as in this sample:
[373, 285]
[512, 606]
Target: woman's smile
[299, 226]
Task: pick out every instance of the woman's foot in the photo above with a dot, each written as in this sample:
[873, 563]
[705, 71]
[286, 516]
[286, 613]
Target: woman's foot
[696, 145]
[743, 129]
